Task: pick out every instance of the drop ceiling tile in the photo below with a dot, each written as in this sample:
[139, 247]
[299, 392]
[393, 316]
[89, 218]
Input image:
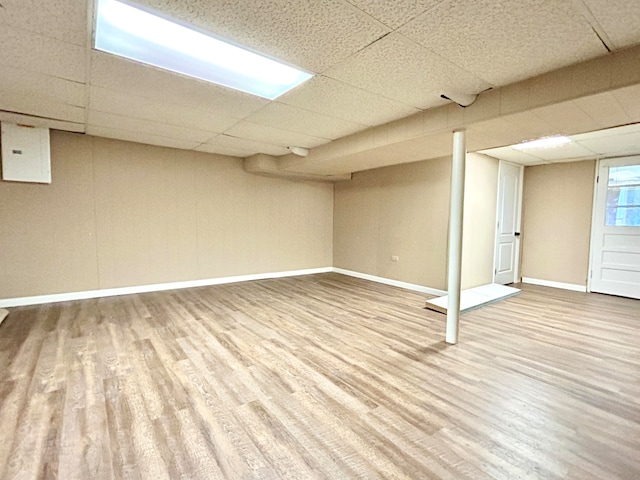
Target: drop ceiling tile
[15, 81]
[628, 144]
[564, 152]
[140, 137]
[337, 99]
[64, 20]
[111, 101]
[310, 34]
[533, 163]
[223, 150]
[503, 42]
[30, 105]
[114, 73]
[137, 125]
[251, 147]
[604, 109]
[41, 122]
[397, 13]
[619, 18]
[398, 68]
[567, 118]
[303, 121]
[45, 55]
[609, 132]
[274, 136]
[511, 155]
[629, 100]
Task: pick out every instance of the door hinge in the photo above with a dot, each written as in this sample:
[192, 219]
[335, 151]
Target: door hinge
[598, 179]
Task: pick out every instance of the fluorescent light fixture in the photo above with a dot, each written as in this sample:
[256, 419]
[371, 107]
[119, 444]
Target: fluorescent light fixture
[130, 32]
[546, 142]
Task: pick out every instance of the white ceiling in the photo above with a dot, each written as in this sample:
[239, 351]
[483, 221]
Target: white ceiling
[612, 142]
[375, 62]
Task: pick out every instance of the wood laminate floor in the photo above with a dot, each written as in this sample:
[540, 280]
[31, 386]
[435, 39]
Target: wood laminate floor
[320, 377]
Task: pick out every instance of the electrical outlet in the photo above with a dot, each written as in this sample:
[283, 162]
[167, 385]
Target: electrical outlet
[394, 258]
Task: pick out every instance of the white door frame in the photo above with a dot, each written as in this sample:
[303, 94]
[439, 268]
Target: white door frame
[594, 210]
[518, 220]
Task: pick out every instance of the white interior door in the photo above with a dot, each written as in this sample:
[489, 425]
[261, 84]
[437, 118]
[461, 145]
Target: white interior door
[507, 252]
[615, 233]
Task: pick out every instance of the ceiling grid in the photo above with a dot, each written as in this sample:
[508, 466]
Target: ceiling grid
[376, 65]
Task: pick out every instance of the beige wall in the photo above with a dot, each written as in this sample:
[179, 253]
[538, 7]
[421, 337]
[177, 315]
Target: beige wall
[400, 210]
[124, 214]
[479, 229]
[404, 211]
[557, 221]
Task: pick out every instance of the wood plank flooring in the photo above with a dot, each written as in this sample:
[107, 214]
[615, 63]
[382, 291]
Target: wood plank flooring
[320, 377]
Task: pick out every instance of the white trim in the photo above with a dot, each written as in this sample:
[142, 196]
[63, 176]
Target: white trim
[394, 283]
[548, 283]
[516, 268]
[594, 209]
[110, 292]
[519, 238]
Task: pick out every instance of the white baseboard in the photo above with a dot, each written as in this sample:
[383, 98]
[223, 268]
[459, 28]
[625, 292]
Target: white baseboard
[110, 292]
[388, 281]
[549, 283]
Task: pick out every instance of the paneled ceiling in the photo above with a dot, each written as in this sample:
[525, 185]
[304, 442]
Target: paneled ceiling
[618, 142]
[374, 62]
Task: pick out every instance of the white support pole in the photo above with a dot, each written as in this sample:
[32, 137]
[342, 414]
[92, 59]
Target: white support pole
[456, 215]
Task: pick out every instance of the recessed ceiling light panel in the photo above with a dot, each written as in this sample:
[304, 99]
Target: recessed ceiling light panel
[546, 142]
[133, 33]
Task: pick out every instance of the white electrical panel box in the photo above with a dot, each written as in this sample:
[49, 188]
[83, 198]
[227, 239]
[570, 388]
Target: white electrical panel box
[26, 155]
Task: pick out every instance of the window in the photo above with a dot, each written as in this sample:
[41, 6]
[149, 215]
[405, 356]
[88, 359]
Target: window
[623, 197]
